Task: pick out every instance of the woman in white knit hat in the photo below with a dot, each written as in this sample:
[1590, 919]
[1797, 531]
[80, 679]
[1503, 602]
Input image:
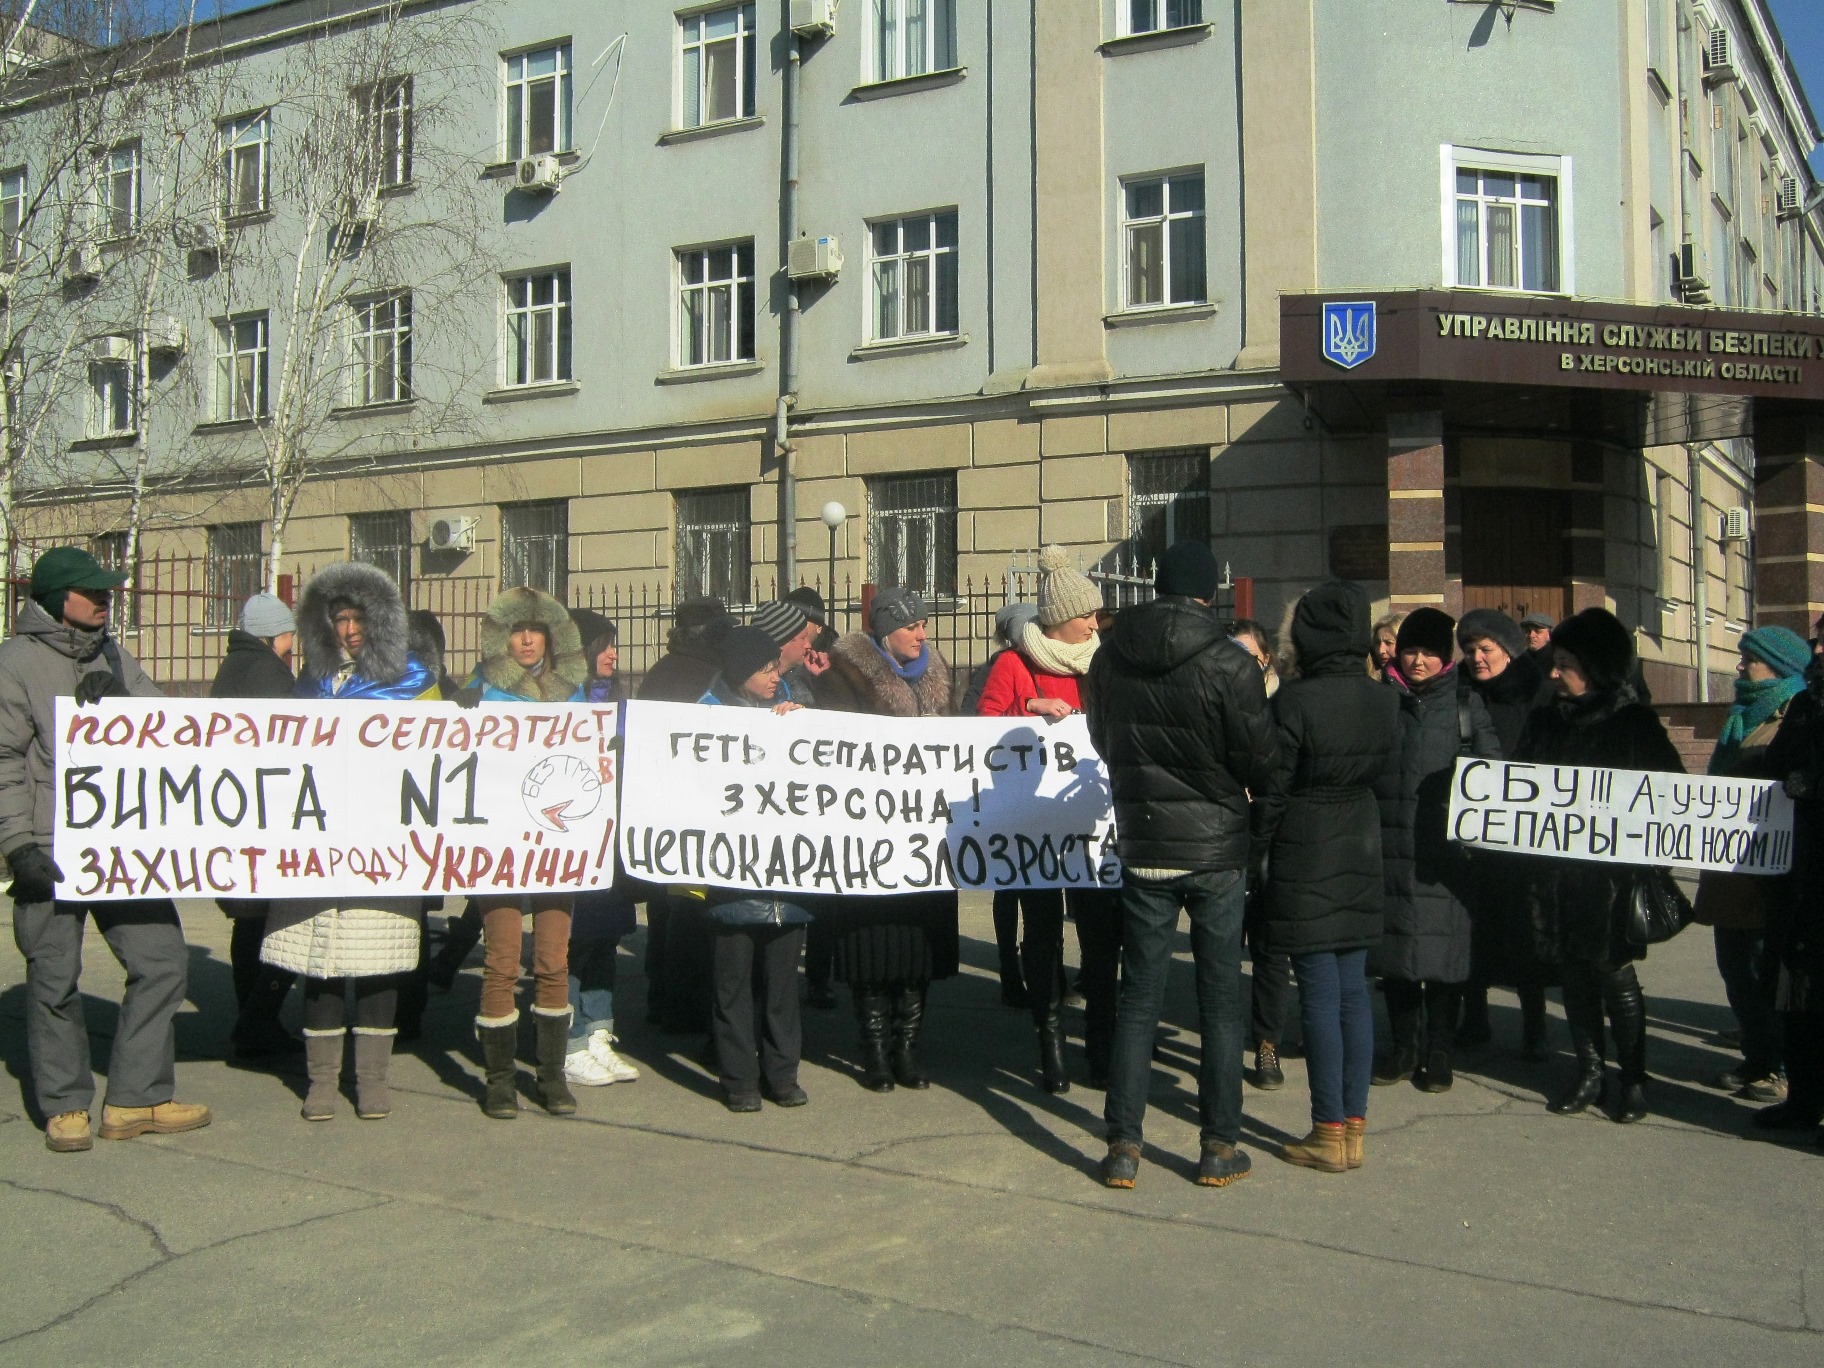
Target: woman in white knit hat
[1042, 677]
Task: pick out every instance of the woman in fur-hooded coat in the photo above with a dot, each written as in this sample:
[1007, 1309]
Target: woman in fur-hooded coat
[352, 630]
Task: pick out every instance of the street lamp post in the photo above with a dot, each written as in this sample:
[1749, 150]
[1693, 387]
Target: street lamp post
[834, 515]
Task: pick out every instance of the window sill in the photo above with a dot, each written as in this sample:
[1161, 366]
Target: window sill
[710, 130]
[906, 346]
[395, 191]
[387, 409]
[502, 169]
[1661, 86]
[905, 85]
[1513, 291]
[107, 442]
[1158, 38]
[1722, 204]
[227, 425]
[727, 370]
[247, 220]
[510, 394]
[1169, 313]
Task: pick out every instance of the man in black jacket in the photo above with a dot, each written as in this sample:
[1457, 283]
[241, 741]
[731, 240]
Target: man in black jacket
[1179, 714]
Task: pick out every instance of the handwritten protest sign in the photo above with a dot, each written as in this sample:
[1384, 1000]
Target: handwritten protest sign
[1623, 816]
[174, 798]
[821, 802]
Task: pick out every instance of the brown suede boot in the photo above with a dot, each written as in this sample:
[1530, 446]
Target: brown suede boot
[165, 1118]
[1353, 1131]
[1323, 1149]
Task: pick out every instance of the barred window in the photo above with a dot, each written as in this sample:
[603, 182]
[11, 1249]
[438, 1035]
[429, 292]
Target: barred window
[1168, 501]
[535, 547]
[233, 571]
[110, 549]
[912, 533]
[714, 544]
[384, 541]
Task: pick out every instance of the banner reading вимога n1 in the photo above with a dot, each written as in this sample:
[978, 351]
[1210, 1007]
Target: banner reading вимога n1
[826, 802]
[1743, 826]
[244, 798]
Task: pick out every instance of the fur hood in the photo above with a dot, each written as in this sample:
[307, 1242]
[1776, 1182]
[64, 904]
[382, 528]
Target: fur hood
[860, 680]
[383, 657]
[568, 670]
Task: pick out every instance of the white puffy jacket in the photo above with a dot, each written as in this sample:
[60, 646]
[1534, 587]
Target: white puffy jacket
[325, 939]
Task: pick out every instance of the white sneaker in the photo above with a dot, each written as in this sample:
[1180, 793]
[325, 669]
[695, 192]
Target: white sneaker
[601, 1046]
[582, 1067]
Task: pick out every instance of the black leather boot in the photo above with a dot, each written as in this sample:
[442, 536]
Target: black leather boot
[1053, 1076]
[873, 1011]
[1441, 1006]
[1583, 1010]
[1628, 1021]
[1404, 1004]
[499, 1046]
[908, 1021]
[553, 1031]
[463, 935]
[1532, 1025]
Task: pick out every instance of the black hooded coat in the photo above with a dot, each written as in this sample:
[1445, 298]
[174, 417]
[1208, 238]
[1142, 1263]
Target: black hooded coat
[1320, 821]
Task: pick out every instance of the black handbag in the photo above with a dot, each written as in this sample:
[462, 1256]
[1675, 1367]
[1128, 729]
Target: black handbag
[1656, 909]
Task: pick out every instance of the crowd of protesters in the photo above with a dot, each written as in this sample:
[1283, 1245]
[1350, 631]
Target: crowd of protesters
[1290, 799]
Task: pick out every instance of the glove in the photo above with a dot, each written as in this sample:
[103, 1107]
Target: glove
[35, 875]
[97, 685]
[466, 698]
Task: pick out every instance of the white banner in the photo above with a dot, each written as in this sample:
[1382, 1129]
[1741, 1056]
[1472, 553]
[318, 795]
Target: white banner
[262, 799]
[1622, 816]
[828, 802]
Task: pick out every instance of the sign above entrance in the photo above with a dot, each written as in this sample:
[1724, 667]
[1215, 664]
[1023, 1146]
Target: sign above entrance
[1476, 337]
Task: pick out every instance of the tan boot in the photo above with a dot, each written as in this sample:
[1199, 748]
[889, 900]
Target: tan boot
[167, 1118]
[68, 1132]
[1353, 1130]
[1322, 1149]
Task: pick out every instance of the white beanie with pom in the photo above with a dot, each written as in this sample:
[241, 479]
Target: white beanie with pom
[1064, 591]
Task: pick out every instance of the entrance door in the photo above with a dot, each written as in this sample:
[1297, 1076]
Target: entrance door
[1514, 555]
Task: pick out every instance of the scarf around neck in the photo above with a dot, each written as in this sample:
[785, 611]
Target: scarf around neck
[914, 671]
[1055, 657]
[1756, 700]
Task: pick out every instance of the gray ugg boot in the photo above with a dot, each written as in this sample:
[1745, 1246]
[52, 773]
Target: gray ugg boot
[323, 1065]
[373, 1050]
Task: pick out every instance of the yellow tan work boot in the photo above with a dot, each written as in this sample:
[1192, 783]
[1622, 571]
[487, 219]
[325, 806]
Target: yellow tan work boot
[167, 1118]
[68, 1132]
[1353, 1131]
[1322, 1149]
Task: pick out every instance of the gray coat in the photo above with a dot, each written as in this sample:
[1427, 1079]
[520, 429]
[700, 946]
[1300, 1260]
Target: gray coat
[42, 661]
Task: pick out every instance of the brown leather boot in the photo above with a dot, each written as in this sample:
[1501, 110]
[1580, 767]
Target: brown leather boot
[1353, 1130]
[1323, 1149]
[68, 1132]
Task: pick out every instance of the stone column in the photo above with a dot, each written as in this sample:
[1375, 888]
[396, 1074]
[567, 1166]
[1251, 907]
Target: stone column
[1586, 538]
[1417, 573]
[1788, 521]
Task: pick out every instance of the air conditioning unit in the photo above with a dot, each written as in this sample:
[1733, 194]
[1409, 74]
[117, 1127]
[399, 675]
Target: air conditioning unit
[1735, 524]
[453, 534]
[199, 235]
[165, 336]
[539, 175]
[1789, 202]
[1719, 58]
[814, 258]
[111, 349]
[1694, 273]
[814, 18]
[83, 262]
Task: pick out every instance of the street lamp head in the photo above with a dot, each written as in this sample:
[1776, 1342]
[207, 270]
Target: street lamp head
[834, 515]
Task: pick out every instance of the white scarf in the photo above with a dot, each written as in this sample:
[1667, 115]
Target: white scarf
[1054, 657]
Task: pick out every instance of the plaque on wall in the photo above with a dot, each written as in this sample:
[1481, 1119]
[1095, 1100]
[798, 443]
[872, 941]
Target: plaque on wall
[1358, 551]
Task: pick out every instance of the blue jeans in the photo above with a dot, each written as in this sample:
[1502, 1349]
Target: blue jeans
[591, 988]
[1149, 920]
[1339, 1032]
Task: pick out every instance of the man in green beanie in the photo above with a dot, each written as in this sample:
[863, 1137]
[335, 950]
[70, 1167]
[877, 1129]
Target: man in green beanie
[61, 649]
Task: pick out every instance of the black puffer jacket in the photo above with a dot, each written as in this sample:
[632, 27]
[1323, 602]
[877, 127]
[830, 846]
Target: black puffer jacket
[1320, 821]
[1795, 914]
[1179, 714]
[1428, 929]
[251, 670]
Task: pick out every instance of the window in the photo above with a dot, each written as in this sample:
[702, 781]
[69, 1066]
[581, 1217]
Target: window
[382, 354]
[535, 547]
[1162, 235]
[1168, 501]
[112, 391]
[233, 571]
[913, 37]
[1506, 230]
[12, 215]
[110, 548]
[538, 327]
[384, 541]
[714, 544]
[914, 273]
[538, 102]
[718, 66]
[912, 533]
[240, 367]
[386, 113]
[246, 149]
[120, 193]
[716, 304]
[1149, 16]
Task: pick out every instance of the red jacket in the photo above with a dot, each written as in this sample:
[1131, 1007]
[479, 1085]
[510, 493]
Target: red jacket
[1013, 682]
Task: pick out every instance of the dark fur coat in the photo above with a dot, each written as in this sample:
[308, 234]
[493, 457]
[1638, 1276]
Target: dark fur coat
[860, 680]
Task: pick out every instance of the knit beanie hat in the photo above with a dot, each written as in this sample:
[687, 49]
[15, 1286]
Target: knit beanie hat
[810, 603]
[1010, 622]
[1601, 644]
[1428, 629]
[745, 652]
[1188, 570]
[894, 608]
[1783, 649]
[1064, 592]
[780, 620]
[1491, 624]
[265, 615]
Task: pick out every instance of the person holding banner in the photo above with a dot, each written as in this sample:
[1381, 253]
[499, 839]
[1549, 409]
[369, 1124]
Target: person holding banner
[531, 652]
[61, 648]
[1577, 907]
[356, 645]
[889, 950]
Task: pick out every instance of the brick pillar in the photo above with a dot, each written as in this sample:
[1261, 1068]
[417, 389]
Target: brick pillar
[1586, 536]
[1417, 573]
[1788, 521]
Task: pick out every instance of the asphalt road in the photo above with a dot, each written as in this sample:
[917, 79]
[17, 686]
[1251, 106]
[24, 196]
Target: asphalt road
[959, 1226]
